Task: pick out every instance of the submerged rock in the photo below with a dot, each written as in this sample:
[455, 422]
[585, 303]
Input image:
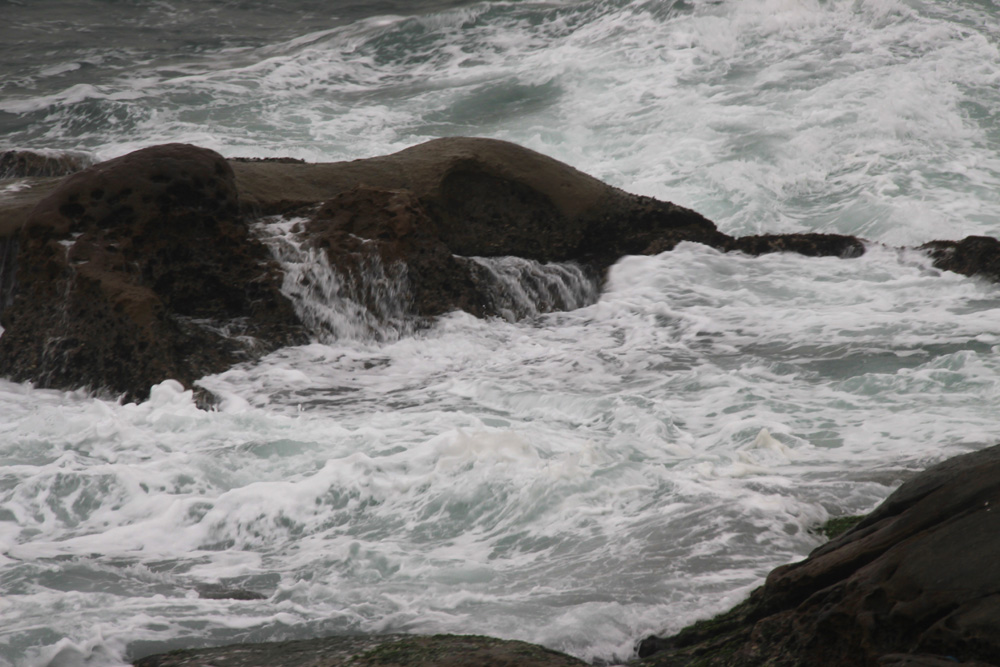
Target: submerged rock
[371, 650]
[914, 583]
[220, 592]
[810, 245]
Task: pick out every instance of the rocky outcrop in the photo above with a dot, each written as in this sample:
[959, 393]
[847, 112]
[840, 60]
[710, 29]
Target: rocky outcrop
[810, 245]
[137, 270]
[22, 164]
[915, 582]
[489, 198]
[368, 229]
[371, 650]
[26, 177]
[428, 208]
[143, 268]
[972, 256]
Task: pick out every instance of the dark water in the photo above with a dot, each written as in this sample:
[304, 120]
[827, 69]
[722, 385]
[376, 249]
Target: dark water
[49, 46]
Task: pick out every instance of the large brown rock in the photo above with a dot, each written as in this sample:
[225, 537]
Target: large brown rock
[368, 230]
[422, 212]
[22, 190]
[916, 582]
[137, 270]
[417, 216]
[142, 268]
[487, 198]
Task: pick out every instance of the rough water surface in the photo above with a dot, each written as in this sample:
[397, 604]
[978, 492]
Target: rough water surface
[577, 479]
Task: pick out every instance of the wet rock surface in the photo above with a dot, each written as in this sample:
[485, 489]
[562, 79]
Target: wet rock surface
[220, 592]
[144, 268]
[137, 270]
[21, 164]
[371, 650]
[810, 245]
[972, 256]
[427, 209]
[914, 583]
[368, 230]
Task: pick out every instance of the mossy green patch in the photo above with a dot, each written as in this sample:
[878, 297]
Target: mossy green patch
[717, 626]
[838, 526]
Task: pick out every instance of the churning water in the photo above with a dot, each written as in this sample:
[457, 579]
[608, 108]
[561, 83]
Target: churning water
[578, 479]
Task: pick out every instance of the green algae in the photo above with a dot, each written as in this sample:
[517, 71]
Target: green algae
[837, 526]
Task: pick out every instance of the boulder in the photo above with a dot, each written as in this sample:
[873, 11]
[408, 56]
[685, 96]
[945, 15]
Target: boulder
[422, 212]
[972, 256]
[810, 245]
[19, 196]
[915, 582]
[21, 164]
[368, 230]
[143, 268]
[486, 198]
[416, 218]
[371, 650]
[137, 270]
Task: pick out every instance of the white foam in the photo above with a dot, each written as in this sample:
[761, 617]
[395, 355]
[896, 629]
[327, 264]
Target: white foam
[468, 478]
[869, 118]
[580, 478]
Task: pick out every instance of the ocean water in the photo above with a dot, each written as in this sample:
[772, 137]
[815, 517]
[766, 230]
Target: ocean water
[578, 479]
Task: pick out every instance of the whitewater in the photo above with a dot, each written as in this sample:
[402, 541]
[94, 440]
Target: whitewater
[578, 479]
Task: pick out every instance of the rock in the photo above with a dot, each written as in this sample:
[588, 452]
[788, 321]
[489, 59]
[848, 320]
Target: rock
[415, 217]
[371, 650]
[487, 198]
[220, 592]
[137, 270]
[19, 198]
[914, 583]
[20, 164]
[8, 267]
[972, 256]
[367, 230]
[837, 526]
[811, 245]
[143, 268]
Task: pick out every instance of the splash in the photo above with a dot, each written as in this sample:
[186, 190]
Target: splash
[372, 304]
[523, 288]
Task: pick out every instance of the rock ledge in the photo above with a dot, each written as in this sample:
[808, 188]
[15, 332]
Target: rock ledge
[915, 582]
[369, 651]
